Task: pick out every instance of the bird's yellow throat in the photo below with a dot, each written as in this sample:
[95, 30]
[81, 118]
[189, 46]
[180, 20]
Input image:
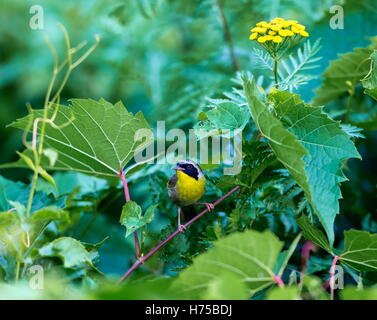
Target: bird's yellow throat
[190, 189]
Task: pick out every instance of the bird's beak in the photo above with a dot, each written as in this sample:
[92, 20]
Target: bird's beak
[176, 168]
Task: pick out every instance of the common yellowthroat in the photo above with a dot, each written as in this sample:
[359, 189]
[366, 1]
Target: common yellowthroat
[186, 187]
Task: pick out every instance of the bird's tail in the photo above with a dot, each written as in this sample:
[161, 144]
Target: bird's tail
[188, 213]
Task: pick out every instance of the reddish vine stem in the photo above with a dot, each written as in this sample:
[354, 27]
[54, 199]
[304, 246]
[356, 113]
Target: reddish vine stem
[332, 276]
[305, 254]
[278, 281]
[142, 259]
[128, 198]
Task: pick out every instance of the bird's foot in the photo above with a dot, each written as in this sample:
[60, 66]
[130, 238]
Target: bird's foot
[181, 228]
[210, 206]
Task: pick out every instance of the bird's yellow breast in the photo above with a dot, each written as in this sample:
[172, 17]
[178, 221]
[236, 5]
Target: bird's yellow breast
[189, 189]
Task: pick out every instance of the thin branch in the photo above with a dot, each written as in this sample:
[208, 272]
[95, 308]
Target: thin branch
[142, 259]
[228, 36]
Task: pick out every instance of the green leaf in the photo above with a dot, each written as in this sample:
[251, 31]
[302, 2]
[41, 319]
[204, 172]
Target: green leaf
[291, 69]
[93, 250]
[47, 176]
[96, 142]
[9, 220]
[250, 256]
[360, 250]
[132, 217]
[24, 157]
[7, 267]
[286, 293]
[69, 250]
[11, 233]
[288, 254]
[27, 160]
[342, 73]
[313, 234]
[354, 293]
[314, 286]
[67, 182]
[222, 115]
[360, 111]
[226, 287]
[370, 80]
[360, 247]
[95, 246]
[19, 192]
[20, 208]
[284, 144]
[149, 214]
[328, 146]
[372, 93]
[308, 143]
[155, 289]
[50, 213]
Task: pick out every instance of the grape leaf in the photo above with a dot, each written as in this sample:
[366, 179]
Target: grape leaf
[372, 93]
[19, 192]
[308, 143]
[250, 256]
[355, 293]
[286, 293]
[132, 218]
[42, 172]
[328, 145]
[157, 288]
[18, 207]
[96, 142]
[348, 69]
[370, 80]
[69, 250]
[67, 182]
[10, 233]
[285, 145]
[223, 115]
[50, 213]
[285, 256]
[9, 220]
[226, 287]
[360, 247]
[360, 250]
[364, 114]
[313, 234]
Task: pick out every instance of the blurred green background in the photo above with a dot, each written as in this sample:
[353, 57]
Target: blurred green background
[165, 58]
[153, 54]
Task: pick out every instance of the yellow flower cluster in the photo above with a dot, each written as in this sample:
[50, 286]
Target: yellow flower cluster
[276, 30]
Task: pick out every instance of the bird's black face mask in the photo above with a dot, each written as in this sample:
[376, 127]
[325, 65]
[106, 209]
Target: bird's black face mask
[189, 169]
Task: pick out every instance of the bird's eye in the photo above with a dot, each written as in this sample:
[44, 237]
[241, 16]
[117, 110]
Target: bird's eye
[189, 166]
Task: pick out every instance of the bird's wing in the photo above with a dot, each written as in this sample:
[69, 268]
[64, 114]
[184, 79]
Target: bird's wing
[172, 182]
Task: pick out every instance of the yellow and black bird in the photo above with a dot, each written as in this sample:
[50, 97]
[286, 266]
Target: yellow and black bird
[186, 187]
